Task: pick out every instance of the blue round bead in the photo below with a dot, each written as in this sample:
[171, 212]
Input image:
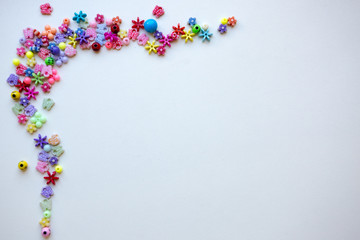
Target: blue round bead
[47, 148]
[150, 25]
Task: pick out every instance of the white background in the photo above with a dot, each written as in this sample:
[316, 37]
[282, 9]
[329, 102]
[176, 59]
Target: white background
[254, 136]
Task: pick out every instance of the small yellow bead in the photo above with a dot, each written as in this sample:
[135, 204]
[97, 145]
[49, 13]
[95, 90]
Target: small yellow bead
[58, 168]
[224, 21]
[29, 54]
[16, 62]
[62, 45]
[22, 165]
[15, 95]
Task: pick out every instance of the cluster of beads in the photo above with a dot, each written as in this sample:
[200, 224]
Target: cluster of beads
[48, 157]
[54, 47]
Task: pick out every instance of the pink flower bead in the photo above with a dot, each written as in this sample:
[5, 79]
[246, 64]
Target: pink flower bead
[46, 71]
[46, 87]
[22, 118]
[99, 18]
[63, 28]
[21, 52]
[161, 50]
[42, 166]
[29, 43]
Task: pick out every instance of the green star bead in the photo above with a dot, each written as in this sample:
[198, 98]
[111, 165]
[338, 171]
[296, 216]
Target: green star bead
[37, 78]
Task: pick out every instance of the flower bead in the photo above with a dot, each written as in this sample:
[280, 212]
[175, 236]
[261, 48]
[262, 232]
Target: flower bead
[110, 36]
[117, 45]
[46, 9]
[21, 51]
[38, 119]
[29, 72]
[122, 34]
[79, 17]
[31, 128]
[22, 119]
[222, 28]
[158, 35]
[137, 24]
[63, 28]
[116, 20]
[192, 21]
[31, 62]
[231, 21]
[46, 71]
[45, 41]
[42, 166]
[142, 39]
[24, 101]
[49, 32]
[82, 38]
[99, 18]
[61, 59]
[45, 222]
[161, 50]
[31, 93]
[29, 43]
[46, 87]
[133, 34]
[151, 47]
[188, 36]
[53, 160]
[30, 110]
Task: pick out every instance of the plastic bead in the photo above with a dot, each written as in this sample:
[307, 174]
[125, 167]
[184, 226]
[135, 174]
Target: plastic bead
[188, 36]
[49, 32]
[205, 27]
[49, 61]
[46, 9]
[47, 214]
[62, 45]
[158, 11]
[224, 21]
[231, 21]
[196, 28]
[15, 95]
[45, 232]
[22, 165]
[58, 169]
[46, 204]
[150, 25]
[137, 24]
[16, 61]
[27, 80]
[47, 104]
[51, 178]
[96, 46]
[44, 222]
[108, 45]
[192, 21]
[115, 28]
[29, 54]
[79, 17]
[38, 119]
[151, 47]
[47, 148]
[66, 21]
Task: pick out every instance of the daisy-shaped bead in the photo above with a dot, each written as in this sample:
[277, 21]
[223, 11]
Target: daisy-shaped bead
[79, 17]
[205, 35]
[231, 21]
[188, 36]
[151, 47]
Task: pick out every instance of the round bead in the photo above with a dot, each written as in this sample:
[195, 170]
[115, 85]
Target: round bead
[15, 95]
[58, 169]
[196, 28]
[22, 165]
[150, 25]
[62, 45]
[55, 50]
[45, 232]
[27, 80]
[51, 81]
[108, 45]
[57, 78]
[38, 124]
[224, 21]
[47, 148]
[96, 46]
[49, 61]
[115, 28]
[16, 61]
[22, 40]
[66, 21]
[47, 214]
[29, 54]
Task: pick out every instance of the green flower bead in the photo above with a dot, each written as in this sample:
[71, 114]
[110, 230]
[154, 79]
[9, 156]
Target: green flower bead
[38, 119]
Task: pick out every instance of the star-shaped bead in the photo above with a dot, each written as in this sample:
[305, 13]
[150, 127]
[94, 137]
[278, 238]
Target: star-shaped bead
[205, 35]
[73, 40]
[37, 78]
[51, 177]
[40, 141]
[79, 17]
[82, 38]
[166, 40]
[21, 86]
[31, 93]
[138, 24]
[188, 36]
[151, 47]
[179, 30]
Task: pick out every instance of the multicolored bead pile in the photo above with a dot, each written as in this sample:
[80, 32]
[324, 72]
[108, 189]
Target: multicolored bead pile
[54, 47]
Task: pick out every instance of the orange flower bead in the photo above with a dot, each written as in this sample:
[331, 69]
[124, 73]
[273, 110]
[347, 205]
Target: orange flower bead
[231, 21]
[49, 32]
[116, 20]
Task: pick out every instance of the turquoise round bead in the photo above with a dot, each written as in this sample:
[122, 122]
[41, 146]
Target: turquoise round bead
[47, 148]
[150, 25]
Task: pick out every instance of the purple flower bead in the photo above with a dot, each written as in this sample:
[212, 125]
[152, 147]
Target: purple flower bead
[53, 160]
[44, 156]
[38, 42]
[47, 192]
[30, 110]
[158, 35]
[13, 80]
[222, 28]
[69, 33]
[24, 101]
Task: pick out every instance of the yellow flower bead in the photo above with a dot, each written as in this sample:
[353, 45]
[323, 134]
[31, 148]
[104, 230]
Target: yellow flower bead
[224, 21]
[31, 62]
[45, 222]
[122, 34]
[31, 128]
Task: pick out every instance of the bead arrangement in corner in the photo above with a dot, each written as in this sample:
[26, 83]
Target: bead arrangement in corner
[54, 47]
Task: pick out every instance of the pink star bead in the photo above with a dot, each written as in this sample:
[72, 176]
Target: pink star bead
[166, 40]
[31, 93]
